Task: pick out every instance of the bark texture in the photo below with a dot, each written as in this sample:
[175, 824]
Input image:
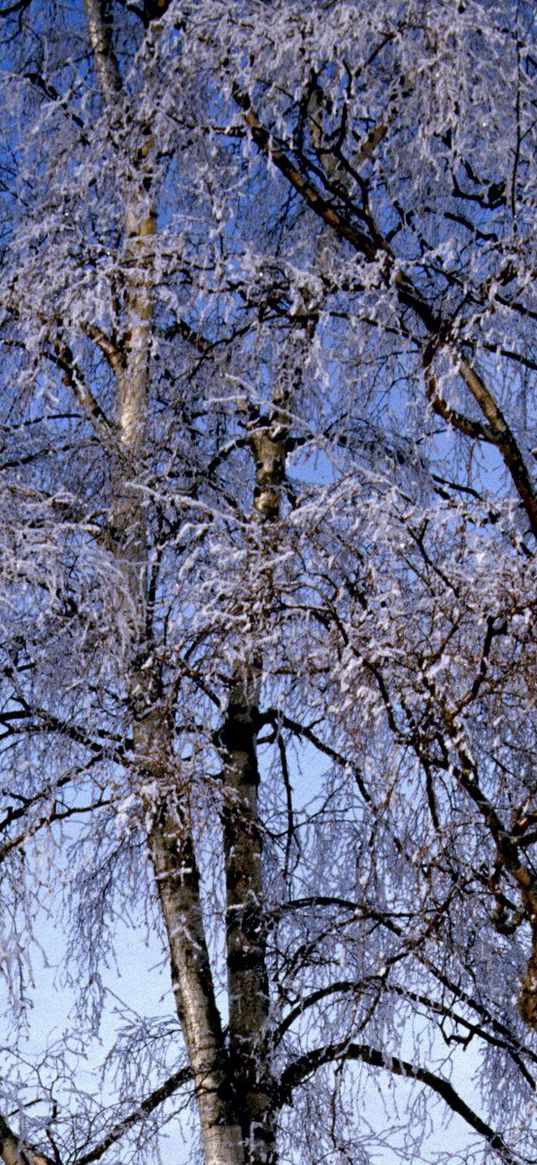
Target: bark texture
[170, 841]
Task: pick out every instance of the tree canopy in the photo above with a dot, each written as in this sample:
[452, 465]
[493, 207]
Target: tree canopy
[267, 598]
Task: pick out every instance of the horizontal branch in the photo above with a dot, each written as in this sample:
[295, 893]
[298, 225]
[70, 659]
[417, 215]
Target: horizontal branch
[397, 923]
[38, 720]
[191, 335]
[21, 839]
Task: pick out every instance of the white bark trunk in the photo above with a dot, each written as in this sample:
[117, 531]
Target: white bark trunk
[15, 1152]
[169, 838]
[104, 60]
[177, 882]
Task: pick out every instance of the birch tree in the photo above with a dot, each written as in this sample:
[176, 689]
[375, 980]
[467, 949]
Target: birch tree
[268, 575]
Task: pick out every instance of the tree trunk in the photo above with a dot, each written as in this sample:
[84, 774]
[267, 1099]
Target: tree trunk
[248, 985]
[174, 863]
[170, 840]
[245, 929]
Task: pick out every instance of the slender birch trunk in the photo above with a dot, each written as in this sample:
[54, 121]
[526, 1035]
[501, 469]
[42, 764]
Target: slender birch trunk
[170, 840]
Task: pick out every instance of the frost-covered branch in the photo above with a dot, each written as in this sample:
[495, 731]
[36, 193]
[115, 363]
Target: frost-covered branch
[305, 1066]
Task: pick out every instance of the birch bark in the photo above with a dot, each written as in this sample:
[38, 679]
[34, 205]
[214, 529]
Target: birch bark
[170, 841]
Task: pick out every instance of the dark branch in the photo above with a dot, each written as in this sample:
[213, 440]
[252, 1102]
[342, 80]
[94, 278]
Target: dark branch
[145, 1108]
[305, 1066]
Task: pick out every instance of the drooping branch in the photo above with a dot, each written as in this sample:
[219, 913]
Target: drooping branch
[305, 1066]
[144, 1109]
[324, 207]
[373, 246]
[306, 732]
